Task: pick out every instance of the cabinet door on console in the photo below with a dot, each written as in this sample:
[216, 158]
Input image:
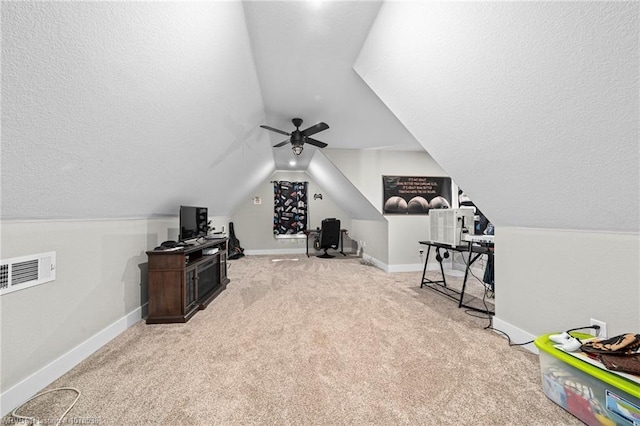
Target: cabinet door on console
[182, 282]
[190, 288]
[165, 293]
[223, 267]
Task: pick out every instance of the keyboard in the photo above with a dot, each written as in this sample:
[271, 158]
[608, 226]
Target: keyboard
[485, 239]
[215, 236]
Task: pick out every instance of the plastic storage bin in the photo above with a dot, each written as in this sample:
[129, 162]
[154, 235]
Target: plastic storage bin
[592, 394]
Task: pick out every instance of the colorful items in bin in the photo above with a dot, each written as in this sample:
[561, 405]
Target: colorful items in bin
[580, 384]
[568, 391]
[623, 408]
[624, 344]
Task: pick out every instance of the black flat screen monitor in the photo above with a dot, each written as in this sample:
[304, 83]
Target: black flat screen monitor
[193, 222]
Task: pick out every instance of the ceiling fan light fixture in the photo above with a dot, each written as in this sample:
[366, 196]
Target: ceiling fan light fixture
[298, 137]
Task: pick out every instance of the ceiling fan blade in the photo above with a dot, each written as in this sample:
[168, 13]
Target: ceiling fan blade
[316, 142]
[283, 143]
[315, 129]
[275, 130]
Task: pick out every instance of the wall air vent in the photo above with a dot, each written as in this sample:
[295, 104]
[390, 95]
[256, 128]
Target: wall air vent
[23, 272]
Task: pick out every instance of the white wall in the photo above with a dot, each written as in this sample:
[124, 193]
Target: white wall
[373, 238]
[127, 109]
[395, 249]
[254, 223]
[365, 170]
[560, 279]
[404, 234]
[393, 242]
[342, 190]
[220, 223]
[100, 279]
[533, 109]
[113, 110]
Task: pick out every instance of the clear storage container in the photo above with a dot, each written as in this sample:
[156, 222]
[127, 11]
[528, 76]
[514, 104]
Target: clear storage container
[586, 389]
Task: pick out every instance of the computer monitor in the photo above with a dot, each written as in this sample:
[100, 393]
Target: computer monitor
[193, 222]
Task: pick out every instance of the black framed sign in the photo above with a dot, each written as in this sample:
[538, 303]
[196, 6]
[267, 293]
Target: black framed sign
[415, 194]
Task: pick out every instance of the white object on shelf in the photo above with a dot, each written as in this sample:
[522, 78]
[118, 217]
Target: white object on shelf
[215, 236]
[447, 226]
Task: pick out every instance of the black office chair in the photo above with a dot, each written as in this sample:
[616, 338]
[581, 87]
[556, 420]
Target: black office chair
[329, 236]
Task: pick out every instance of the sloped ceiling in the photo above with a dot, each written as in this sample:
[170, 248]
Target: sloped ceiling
[128, 109]
[532, 107]
[342, 191]
[304, 53]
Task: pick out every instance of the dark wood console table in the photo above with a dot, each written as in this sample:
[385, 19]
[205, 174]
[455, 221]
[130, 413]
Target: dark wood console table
[183, 280]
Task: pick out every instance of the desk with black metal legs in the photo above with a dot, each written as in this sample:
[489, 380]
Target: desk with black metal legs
[317, 232]
[474, 252]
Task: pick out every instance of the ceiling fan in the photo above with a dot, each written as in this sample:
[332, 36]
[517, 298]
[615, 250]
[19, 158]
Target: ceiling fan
[300, 137]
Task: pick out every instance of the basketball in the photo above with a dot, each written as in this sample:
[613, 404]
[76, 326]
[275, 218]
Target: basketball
[439, 203]
[395, 204]
[418, 205]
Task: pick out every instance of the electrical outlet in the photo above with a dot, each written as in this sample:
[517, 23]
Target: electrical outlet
[602, 333]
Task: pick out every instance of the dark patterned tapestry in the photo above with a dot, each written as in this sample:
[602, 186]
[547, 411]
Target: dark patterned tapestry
[289, 208]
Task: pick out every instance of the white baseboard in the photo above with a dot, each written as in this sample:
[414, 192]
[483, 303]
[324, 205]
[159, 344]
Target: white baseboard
[447, 265]
[276, 252]
[516, 334]
[22, 391]
[375, 262]
[409, 267]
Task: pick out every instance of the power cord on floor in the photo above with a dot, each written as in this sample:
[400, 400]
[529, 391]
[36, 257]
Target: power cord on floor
[507, 336]
[33, 420]
[472, 313]
[487, 290]
[489, 327]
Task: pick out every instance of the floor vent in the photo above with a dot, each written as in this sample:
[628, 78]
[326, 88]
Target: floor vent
[19, 273]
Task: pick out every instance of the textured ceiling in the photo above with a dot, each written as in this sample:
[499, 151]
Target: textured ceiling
[532, 107]
[304, 53]
[128, 109]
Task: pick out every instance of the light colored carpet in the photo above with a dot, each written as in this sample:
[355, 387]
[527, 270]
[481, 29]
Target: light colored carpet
[312, 341]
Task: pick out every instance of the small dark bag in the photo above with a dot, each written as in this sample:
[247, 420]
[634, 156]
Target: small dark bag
[623, 363]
